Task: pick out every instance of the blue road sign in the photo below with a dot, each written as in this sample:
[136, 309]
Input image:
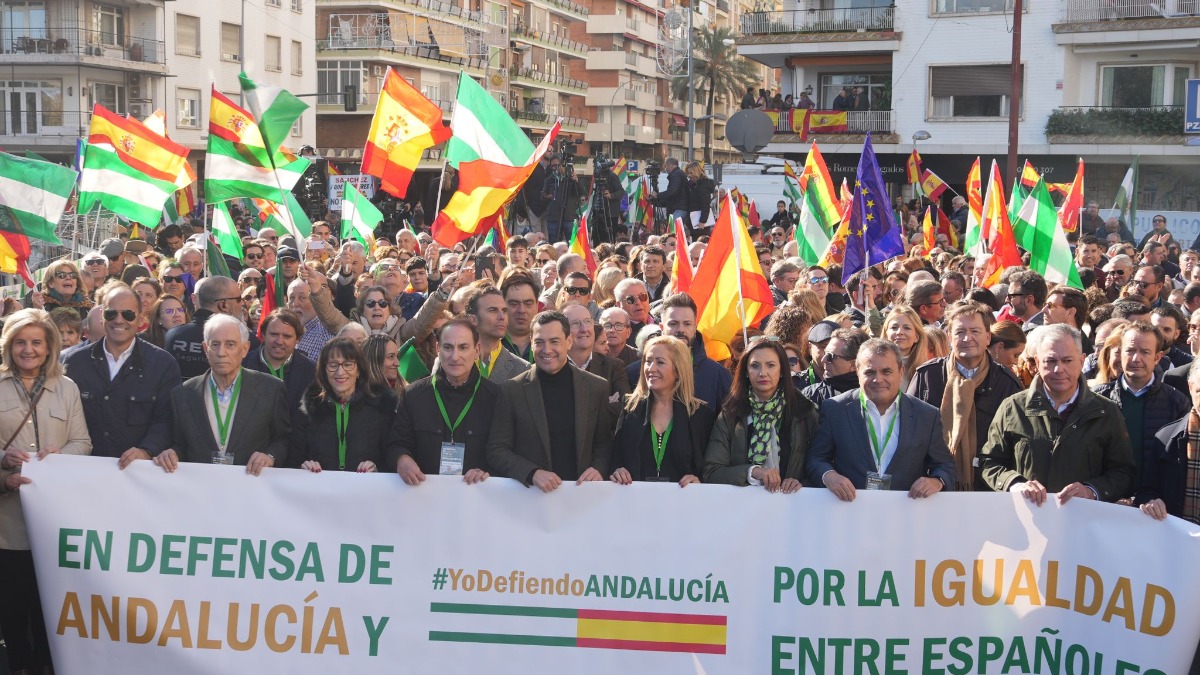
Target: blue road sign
[1191, 110]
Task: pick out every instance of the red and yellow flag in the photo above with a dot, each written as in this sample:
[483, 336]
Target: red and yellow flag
[729, 289]
[944, 226]
[932, 185]
[483, 189]
[581, 244]
[681, 270]
[996, 232]
[912, 168]
[14, 255]
[332, 169]
[929, 231]
[1068, 213]
[835, 254]
[405, 125]
[826, 122]
[138, 146]
[974, 199]
[1029, 176]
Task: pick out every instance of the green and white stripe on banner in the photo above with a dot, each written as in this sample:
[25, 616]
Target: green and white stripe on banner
[359, 217]
[118, 187]
[234, 170]
[810, 235]
[225, 232]
[1049, 252]
[34, 194]
[483, 129]
[274, 108]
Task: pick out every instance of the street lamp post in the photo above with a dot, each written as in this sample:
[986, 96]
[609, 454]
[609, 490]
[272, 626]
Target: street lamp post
[691, 92]
[612, 104]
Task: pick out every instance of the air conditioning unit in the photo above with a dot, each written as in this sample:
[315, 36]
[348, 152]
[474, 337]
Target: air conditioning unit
[231, 57]
[135, 91]
[137, 111]
[377, 71]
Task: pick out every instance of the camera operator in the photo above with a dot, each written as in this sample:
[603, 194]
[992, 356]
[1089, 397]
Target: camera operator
[674, 198]
[606, 202]
[559, 190]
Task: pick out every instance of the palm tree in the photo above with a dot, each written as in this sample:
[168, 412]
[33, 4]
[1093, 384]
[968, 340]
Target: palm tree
[717, 69]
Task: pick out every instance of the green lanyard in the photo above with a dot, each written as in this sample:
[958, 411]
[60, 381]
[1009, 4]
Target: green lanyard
[527, 355]
[871, 430]
[659, 444]
[442, 407]
[223, 424]
[342, 419]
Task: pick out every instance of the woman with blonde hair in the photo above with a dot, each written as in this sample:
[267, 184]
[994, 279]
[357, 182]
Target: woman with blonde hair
[1108, 357]
[902, 327]
[63, 288]
[938, 343]
[606, 282]
[663, 430]
[40, 414]
[810, 302]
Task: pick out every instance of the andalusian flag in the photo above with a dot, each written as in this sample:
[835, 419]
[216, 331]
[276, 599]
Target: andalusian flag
[730, 290]
[33, 196]
[359, 217]
[816, 177]
[791, 184]
[810, 231]
[275, 110]
[215, 260]
[291, 219]
[121, 188]
[404, 126]
[483, 129]
[411, 368]
[484, 187]
[225, 231]
[239, 163]
[835, 254]
[1049, 252]
[641, 211]
[137, 145]
[1126, 201]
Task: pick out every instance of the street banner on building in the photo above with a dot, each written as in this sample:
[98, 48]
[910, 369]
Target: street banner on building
[210, 570]
[337, 187]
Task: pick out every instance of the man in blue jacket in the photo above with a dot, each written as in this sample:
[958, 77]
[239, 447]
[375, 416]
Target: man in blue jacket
[679, 320]
[125, 384]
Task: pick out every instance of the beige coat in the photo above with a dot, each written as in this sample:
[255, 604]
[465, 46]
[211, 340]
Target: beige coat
[60, 425]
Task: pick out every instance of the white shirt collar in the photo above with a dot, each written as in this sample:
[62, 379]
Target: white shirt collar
[115, 362]
[1137, 392]
[1060, 408]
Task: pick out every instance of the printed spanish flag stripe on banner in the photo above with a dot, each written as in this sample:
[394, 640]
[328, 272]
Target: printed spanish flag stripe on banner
[136, 145]
[594, 629]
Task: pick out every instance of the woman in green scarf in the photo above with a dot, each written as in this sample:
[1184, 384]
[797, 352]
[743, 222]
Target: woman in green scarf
[765, 427]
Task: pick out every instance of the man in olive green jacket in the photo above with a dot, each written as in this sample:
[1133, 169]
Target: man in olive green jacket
[1057, 435]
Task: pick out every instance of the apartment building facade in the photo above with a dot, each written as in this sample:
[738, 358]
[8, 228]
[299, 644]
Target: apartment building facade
[1101, 80]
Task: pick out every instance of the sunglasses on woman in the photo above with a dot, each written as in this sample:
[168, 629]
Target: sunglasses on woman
[66, 275]
[372, 304]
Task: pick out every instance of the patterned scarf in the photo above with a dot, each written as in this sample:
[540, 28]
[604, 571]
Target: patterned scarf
[1191, 489]
[764, 425]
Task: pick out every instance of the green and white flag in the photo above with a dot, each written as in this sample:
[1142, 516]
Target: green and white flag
[275, 110]
[290, 218]
[33, 196]
[359, 217]
[810, 235]
[792, 192]
[120, 188]
[1125, 204]
[225, 232]
[1049, 252]
[483, 129]
[234, 170]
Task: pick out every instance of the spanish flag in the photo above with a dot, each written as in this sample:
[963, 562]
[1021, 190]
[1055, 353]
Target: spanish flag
[928, 231]
[1068, 213]
[581, 243]
[826, 122]
[996, 232]
[332, 169]
[14, 255]
[730, 289]
[681, 270]
[137, 146]
[932, 185]
[912, 168]
[484, 187]
[405, 125]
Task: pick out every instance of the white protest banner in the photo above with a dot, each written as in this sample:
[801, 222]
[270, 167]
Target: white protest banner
[337, 187]
[210, 570]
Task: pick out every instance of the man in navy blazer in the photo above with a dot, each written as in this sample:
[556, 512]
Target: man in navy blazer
[877, 433]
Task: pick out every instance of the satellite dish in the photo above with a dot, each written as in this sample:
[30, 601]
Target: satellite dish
[749, 130]
[673, 19]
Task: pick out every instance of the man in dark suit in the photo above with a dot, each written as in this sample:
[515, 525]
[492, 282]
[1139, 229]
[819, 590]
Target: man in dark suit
[558, 427]
[582, 355]
[228, 415]
[278, 356]
[213, 295]
[126, 385]
[878, 438]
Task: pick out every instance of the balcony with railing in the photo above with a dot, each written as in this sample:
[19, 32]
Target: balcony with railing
[857, 122]
[376, 33]
[565, 7]
[802, 21]
[1160, 125]
[545, 120]
[539, 36]
[1156, 11]
[34, 126]
[539, 79]
[43, 46]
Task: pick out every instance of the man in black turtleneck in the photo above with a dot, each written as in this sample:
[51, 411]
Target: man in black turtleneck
[453, 406]
[558, 426]
[838, 359]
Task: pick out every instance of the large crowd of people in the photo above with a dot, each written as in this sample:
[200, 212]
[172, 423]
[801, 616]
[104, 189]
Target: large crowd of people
[909, 377]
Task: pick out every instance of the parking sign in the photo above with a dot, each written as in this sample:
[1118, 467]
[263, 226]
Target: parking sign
[1191, 110]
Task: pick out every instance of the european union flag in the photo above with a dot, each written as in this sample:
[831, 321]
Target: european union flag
[873, 227]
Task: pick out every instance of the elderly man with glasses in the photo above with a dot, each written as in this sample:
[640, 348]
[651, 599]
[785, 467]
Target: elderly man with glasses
[614, 321]
[634, 297]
